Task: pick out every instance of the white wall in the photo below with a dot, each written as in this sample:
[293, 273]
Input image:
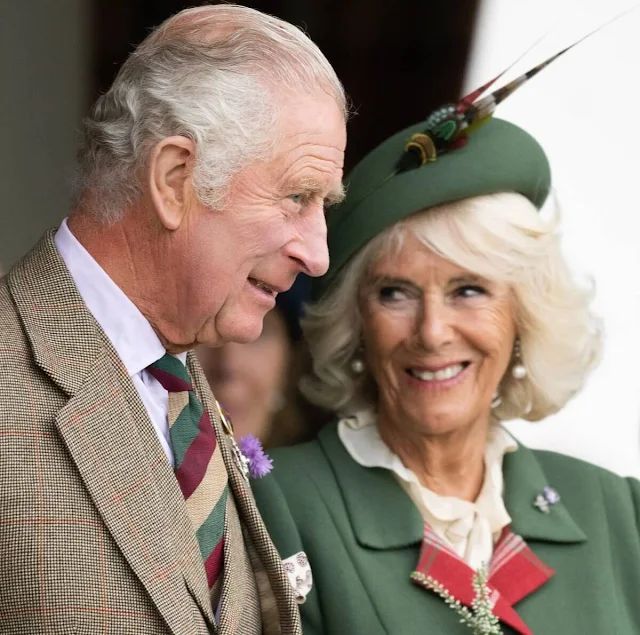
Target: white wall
[44, 62]
[584, 109]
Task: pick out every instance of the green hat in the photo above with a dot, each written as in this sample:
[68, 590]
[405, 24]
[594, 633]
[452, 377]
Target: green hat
[497, 157]
[460, 151]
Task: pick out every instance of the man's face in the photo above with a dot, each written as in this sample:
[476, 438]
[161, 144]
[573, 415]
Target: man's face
[273, 227]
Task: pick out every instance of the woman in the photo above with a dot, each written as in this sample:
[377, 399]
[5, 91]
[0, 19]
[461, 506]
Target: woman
[256, 383]
[449, 308]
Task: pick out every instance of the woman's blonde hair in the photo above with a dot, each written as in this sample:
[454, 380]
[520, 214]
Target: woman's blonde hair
[501, 237]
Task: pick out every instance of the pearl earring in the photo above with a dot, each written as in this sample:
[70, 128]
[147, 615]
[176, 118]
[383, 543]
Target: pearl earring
[357, 366]
[518, 370]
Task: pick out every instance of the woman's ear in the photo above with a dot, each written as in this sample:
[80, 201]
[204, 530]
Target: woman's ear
[169, 177]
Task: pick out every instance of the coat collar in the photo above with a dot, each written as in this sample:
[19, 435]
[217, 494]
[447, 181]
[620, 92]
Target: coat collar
[524, 479]
[381, 513]
[384, 517]
[65, 339]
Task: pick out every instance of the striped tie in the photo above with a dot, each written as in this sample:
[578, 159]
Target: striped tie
[199, 467]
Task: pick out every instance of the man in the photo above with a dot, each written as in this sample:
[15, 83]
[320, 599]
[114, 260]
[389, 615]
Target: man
[202, 184]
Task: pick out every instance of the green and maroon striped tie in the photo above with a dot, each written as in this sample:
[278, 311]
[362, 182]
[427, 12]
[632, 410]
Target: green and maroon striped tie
[199, 466]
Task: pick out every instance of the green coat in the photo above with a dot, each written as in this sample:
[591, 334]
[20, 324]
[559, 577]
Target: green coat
[363, 537]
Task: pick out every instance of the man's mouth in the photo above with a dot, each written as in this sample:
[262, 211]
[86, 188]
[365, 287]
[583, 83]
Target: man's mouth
[262, 286]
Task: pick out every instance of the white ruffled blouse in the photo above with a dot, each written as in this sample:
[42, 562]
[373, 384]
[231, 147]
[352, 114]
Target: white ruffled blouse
[470, 529]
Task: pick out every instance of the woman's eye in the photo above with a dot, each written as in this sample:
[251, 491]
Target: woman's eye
[391, 294]
[470, 291]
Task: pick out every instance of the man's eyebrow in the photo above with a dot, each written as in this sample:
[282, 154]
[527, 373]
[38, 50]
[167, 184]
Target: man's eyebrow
[335, 196]
[313, 187]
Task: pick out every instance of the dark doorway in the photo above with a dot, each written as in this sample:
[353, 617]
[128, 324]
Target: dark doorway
[397, 60]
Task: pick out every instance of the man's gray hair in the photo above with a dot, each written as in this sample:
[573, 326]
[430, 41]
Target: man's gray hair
[212, 74]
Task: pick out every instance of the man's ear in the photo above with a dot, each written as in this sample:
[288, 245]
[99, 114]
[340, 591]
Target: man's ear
[169, 176]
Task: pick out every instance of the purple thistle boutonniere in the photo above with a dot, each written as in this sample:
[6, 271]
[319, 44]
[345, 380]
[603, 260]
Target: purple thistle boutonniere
[259, 463]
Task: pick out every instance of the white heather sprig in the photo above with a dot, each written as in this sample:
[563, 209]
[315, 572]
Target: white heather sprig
[486, 623]
[480, 618]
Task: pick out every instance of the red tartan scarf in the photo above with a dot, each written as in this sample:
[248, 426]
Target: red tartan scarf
[514, 572]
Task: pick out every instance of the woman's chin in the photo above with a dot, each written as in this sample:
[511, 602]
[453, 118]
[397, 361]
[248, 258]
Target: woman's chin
[445, 421]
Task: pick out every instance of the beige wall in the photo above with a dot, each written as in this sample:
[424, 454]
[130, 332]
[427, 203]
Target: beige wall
[44, 70]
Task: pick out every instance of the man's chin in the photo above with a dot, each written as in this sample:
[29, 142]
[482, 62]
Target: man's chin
[241, 332]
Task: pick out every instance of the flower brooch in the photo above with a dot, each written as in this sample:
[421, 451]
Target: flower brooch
[548, 497]
[249, 455]
[258, 463]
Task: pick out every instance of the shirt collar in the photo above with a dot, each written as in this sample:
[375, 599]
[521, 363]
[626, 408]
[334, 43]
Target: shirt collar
[131, 334]
[359, 435]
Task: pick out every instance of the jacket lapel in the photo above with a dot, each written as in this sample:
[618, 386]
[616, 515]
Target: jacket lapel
[280, 615]
[515, 570]
[380, 512]
[109, 436]
[524, 479]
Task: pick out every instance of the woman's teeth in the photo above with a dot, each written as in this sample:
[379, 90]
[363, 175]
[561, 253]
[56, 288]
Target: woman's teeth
[439, 375]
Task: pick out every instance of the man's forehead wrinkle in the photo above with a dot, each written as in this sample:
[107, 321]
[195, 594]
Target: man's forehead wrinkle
[317, 148]
[327, 182]
[312, 169]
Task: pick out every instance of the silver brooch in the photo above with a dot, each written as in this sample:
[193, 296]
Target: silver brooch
[241, 460]
[548, 497]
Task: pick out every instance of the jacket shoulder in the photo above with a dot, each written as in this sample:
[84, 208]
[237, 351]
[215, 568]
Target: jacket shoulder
[574, 468]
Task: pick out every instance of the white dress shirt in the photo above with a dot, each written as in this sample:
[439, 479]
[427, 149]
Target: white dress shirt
[130, 333]
[470, 529]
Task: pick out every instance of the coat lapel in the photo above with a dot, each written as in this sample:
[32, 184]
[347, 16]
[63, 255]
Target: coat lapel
[280, 615]
[380, 512]
[515, 570]
[524, 479]
[109, 437]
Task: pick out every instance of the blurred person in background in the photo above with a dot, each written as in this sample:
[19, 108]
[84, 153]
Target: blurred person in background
[203, 178]
[447, 309]
[256, 383]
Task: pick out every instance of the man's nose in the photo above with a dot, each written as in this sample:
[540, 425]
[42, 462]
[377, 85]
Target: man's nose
[310, 247]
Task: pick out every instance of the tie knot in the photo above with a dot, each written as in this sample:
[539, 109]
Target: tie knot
[171, 373]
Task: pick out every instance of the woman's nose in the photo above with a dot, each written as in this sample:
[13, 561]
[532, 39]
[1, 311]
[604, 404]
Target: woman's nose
[435, 325]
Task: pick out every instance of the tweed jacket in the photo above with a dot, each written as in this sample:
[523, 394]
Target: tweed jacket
[94, 532]
[572, 571]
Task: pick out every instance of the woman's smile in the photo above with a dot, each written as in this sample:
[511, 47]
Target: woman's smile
[445, 377]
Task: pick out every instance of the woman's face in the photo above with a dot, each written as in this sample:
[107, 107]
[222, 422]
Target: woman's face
[437, 340]
[249, 379]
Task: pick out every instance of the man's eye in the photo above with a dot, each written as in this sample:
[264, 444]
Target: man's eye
[297, 198]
